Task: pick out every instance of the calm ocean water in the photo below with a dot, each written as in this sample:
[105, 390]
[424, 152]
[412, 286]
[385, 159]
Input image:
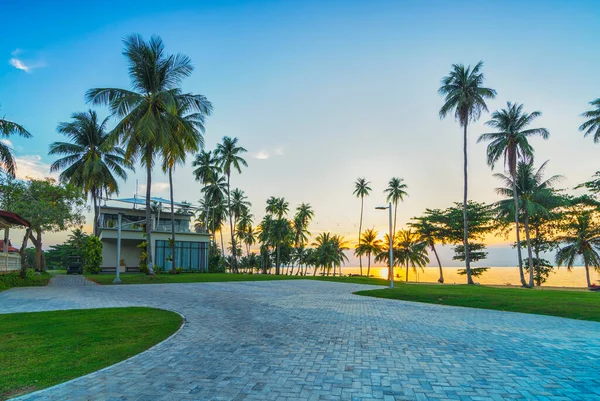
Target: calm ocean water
[561, 277]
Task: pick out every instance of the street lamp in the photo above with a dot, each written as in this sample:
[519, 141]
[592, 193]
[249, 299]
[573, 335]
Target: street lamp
[391, 235]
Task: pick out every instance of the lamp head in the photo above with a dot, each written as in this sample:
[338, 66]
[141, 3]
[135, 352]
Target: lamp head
[381, 207]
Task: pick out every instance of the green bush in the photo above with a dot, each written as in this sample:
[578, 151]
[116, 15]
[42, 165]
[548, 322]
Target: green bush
[143, 258]
[92, 255]
[14, 279]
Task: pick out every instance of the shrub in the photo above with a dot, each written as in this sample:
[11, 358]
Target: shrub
[92, 254]
[143, 258]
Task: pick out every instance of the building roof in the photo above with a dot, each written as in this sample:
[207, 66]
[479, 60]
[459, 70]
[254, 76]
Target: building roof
[142, 201]
[10, 247]
[14, 218]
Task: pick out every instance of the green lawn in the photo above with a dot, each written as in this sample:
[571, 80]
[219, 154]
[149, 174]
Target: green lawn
[14, 280]
[140, 278]
[41, 349]
[583, 305]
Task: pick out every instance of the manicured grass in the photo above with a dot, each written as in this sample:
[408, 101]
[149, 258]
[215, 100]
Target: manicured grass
[41, 349]
[14, 280]
[583, 305]
[140, 278]
[56, 272]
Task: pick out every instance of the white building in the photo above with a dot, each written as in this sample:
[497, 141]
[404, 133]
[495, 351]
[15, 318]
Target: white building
[191, 246]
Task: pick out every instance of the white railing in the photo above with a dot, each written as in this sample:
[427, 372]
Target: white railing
[10, 262]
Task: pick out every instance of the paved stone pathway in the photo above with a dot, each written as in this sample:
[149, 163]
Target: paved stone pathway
[71, 280]
[308, 340]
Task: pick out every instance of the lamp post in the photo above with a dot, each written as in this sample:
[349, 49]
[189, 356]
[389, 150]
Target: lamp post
[391, 245]
[117, 279]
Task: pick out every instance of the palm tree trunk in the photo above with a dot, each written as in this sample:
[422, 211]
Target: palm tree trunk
[520, 256]
[315, 270]
[536, 248]
[394, 228]
[587, 275]
[529, 251]
[234, 267]
[148, 213]
[369, 261]
[222, 243]
[95, 202]
[362, 199]
[173, 247]
[406, 272]
[441, 279]
[465, 215]
[277, 272]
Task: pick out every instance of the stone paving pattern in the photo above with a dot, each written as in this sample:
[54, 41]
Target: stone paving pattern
[310, 340]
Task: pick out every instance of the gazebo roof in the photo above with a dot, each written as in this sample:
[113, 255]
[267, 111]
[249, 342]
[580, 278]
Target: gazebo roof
[14, 218]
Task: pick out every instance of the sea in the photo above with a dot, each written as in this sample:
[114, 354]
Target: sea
[560, 277]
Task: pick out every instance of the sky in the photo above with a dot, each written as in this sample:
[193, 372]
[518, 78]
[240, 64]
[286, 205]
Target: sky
[320, 93]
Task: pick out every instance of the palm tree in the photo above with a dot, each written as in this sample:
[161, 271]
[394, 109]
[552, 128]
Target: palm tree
[534, 194]
[90, 160]
[396, 191]
[361, 189]
[215, 210]
[510, 142]
[207, 170]
[239, 205]
[148, 114]
[304, 214]
[276, 233]
[368, 245]
[329, 252]
[411, 250]
[277, 207]
[592, 125]
[228, 153]
[464, 94]
[186, 138]
[426, 229]
[7, 158]
[582, 239]
[244, 230]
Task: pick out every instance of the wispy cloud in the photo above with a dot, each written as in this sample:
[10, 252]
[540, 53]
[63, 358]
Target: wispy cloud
[23, 64]
[7, 142]
[157, 188]
[32, 166]
[279, 151]
[261, 155]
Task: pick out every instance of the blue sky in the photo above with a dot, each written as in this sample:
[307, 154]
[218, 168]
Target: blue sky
[320, 93]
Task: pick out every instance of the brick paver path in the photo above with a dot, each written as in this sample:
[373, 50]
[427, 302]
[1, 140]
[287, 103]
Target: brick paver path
[308, 340]
[72, 280]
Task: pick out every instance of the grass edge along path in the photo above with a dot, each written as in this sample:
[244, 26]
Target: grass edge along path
[42, 349]
[141, 278]
[580, 305]
[11, 280]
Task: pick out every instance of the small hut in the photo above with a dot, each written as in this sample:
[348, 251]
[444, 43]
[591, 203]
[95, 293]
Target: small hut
[10, 260]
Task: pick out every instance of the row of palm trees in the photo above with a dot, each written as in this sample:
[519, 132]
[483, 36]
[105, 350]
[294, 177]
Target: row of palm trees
[395, 192]
[465, 97]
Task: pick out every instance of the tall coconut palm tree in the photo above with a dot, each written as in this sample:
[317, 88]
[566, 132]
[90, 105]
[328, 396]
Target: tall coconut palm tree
[215, 207]
[427, 230]
[592, 125]
[411, 250]
[186, 138]
[329, 252]
[534, 194]
[229, 154]
[276, 233]
[7, 158]
[465, 96]
[396, 192]
[511, 143]
[361, 189]
[148, 114]
[369, 245]
[581, 240]
[90, 159]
